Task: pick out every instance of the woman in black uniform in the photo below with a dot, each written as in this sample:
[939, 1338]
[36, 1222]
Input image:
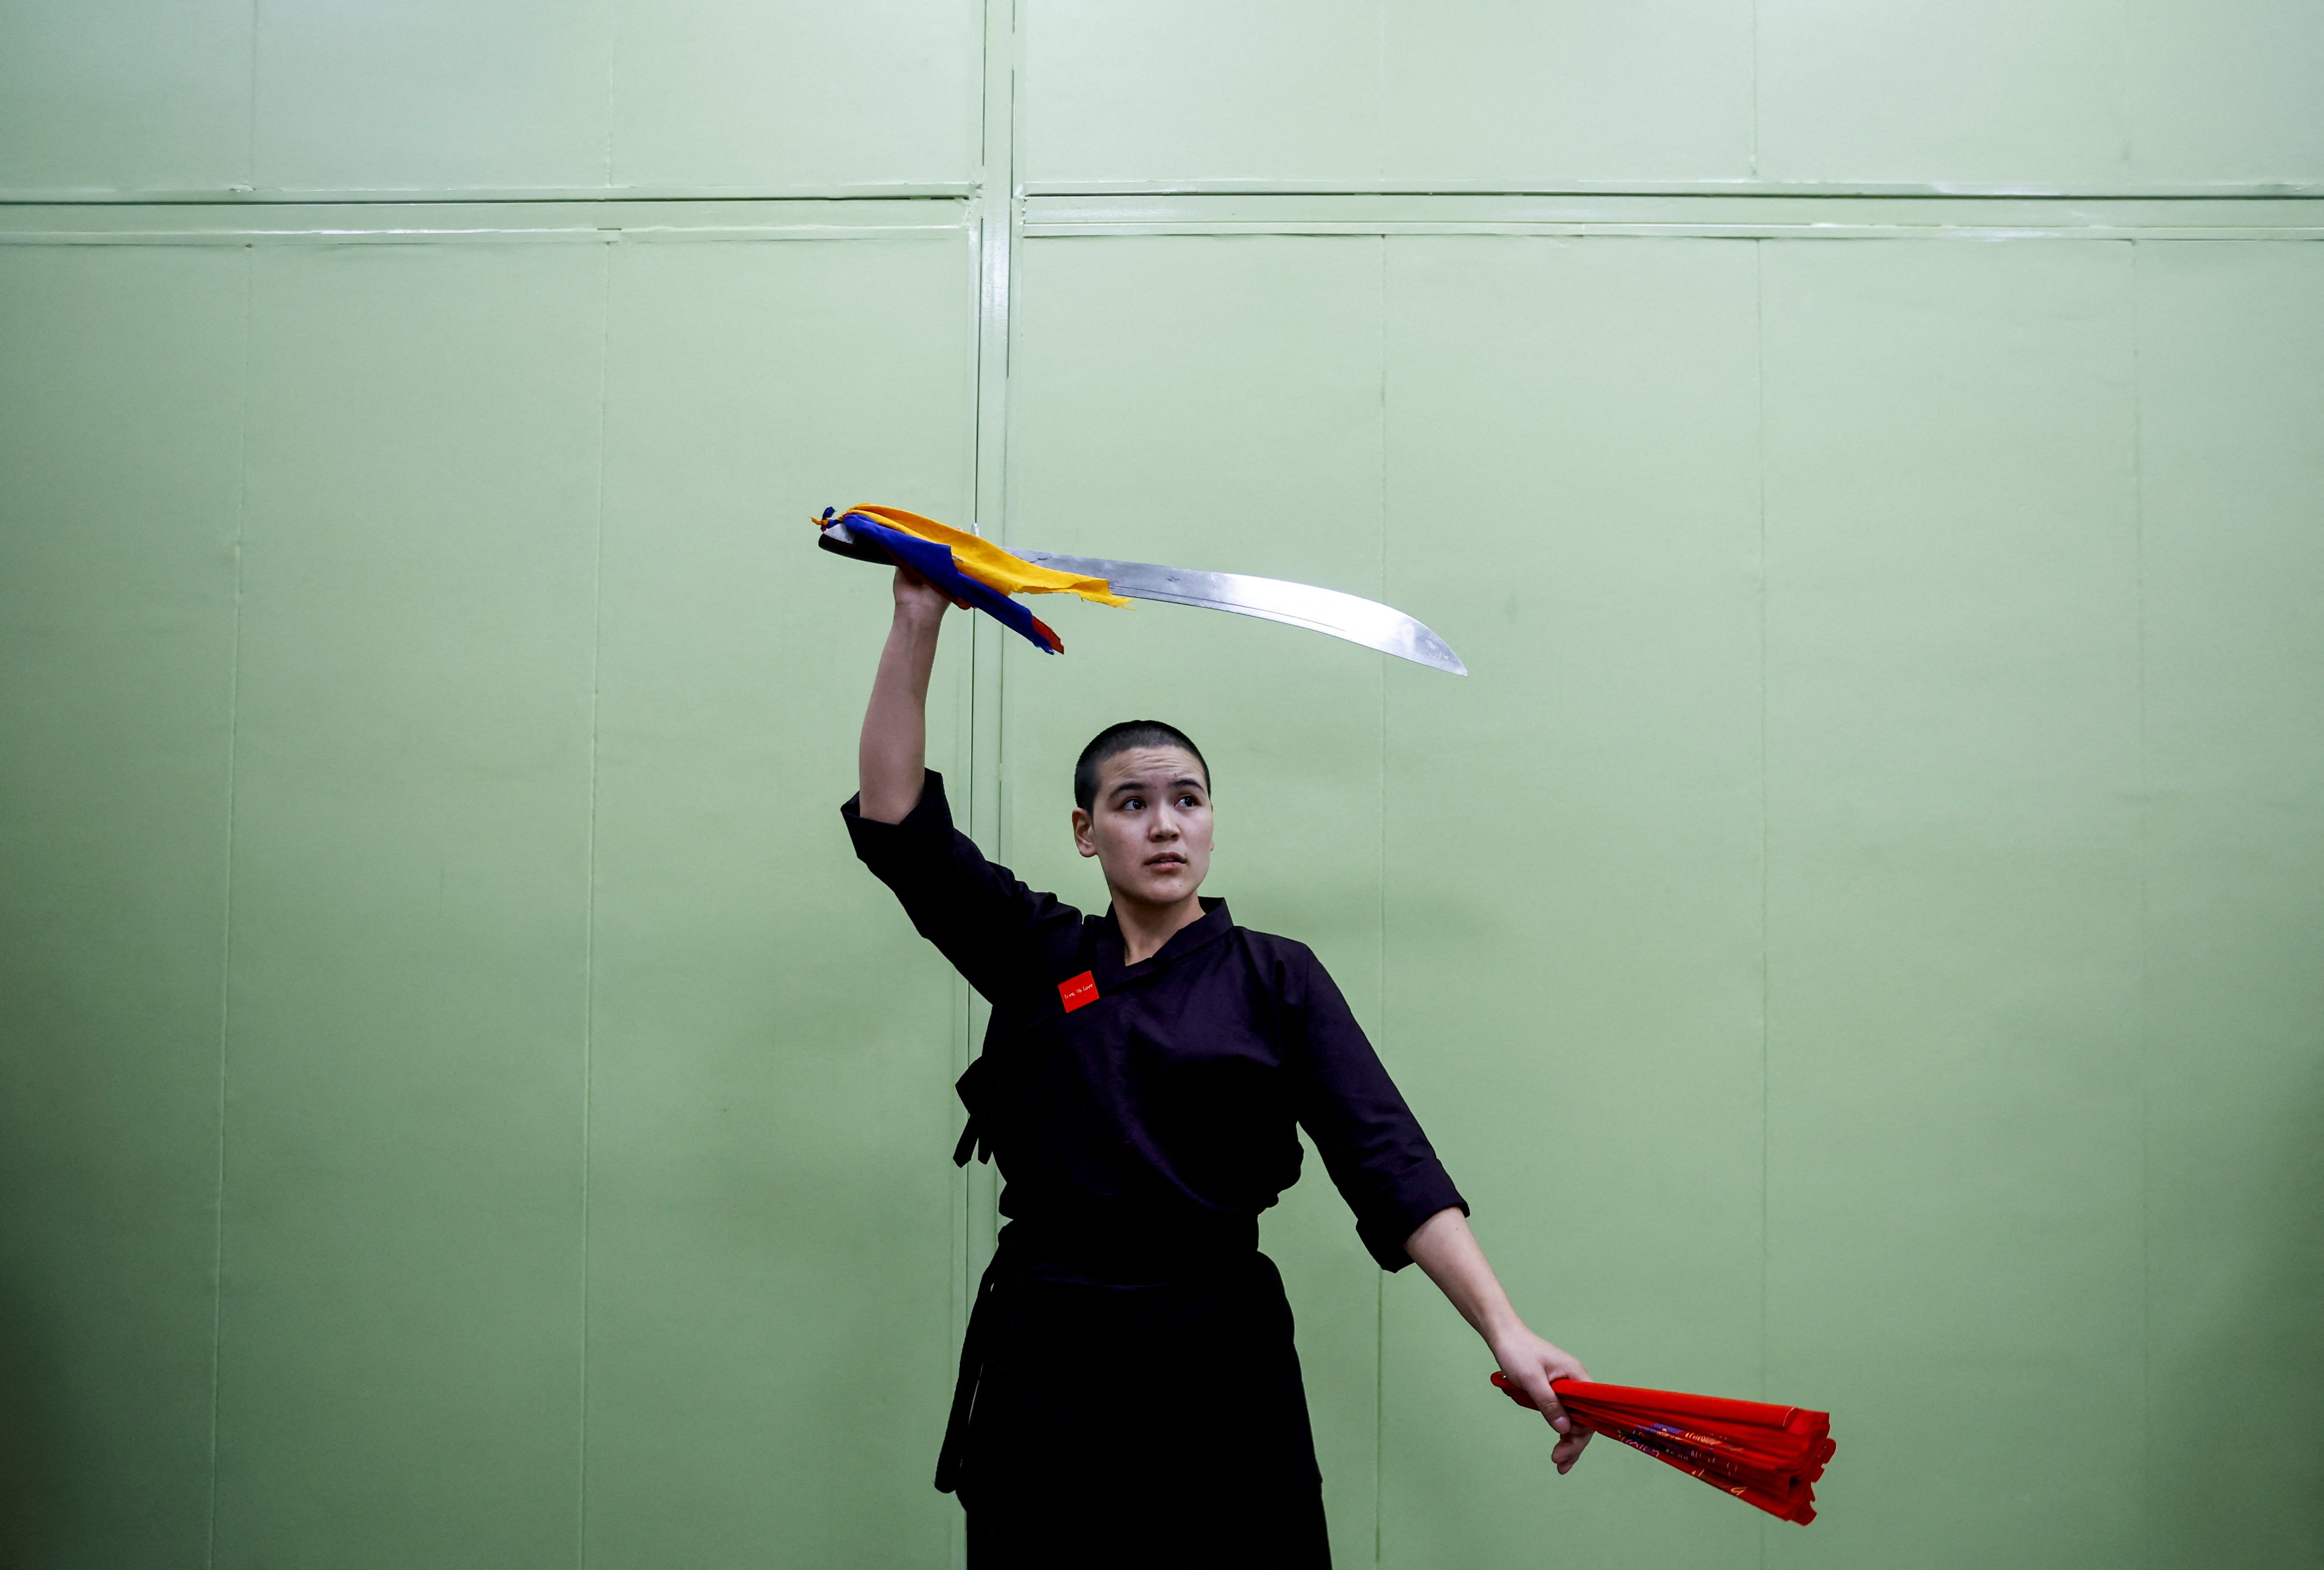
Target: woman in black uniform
[1129, 1395]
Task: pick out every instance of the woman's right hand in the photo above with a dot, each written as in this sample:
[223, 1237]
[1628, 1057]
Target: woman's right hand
[917, 598]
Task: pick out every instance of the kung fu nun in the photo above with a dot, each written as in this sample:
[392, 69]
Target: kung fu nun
[1129, 1394]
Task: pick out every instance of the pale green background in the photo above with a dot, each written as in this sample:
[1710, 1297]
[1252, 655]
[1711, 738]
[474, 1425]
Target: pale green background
[1856, 936]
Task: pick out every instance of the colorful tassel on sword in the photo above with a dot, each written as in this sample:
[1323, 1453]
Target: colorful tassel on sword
[976, 573]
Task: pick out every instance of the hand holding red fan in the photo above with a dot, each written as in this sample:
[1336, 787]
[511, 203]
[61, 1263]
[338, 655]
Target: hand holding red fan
[1766, 1455]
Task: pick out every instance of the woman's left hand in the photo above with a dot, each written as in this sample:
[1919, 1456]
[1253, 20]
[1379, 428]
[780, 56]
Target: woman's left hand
[1531, 1365]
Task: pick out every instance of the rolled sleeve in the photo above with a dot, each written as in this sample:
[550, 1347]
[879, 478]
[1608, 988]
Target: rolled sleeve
[1379, 1157]
[892, 849]
[989, 926]
[1394, 1213]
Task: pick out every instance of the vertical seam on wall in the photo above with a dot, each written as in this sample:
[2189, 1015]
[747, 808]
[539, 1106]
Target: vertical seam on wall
[982, 727]
[1379, 1411]
[250, 121]
[970, 728]
[1379, 97]
[2145, 870]
[1755, 90]
[1379, 1278]
[589, 918]
[1010, 188]
[225, 947]
[613, 67]
[1759, 382]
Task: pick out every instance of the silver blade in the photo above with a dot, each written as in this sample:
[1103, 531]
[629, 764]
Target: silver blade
[1321, 610]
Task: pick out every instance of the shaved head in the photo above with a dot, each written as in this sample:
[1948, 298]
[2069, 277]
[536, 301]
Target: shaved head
[1117, 739]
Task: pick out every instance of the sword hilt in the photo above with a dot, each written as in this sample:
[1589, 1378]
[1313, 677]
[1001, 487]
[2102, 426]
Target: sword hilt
[837, 539]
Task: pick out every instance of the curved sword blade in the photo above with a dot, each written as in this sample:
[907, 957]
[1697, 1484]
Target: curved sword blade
[1359, 621]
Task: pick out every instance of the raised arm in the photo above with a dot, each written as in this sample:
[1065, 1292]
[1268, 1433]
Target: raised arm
[1446, 1248]
[892, 755]
[1001, 935]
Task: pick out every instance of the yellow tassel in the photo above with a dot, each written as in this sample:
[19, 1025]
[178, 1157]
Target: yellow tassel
[992, 566]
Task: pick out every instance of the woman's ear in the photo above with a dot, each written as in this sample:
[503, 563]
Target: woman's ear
[1082, 840]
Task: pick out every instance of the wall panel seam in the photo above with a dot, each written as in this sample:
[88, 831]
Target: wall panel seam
[225, 947]
[1835, 190]
[589, 906]
[613, 70]
[1987, 234]
[282, 196]
[992, 212]
[954, 190]
[1380, 1279]
[250, 116]
[2309, 226]
[1767, 977]
[2146, 912]
[1722, 217]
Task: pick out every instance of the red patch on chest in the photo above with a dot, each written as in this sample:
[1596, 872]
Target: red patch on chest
[1082, 989]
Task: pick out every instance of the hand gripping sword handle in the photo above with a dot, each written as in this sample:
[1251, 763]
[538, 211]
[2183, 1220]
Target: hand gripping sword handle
[836, 538]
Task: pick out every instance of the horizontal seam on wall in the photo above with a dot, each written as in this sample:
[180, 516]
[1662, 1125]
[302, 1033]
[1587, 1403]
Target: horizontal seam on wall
[1724, 216]
[1814, 191]
[1054, 231]
[415, 222]
[440, 196]
[414, 236]
[955, 190]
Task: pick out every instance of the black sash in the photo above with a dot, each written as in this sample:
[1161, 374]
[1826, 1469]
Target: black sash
[1091, 1255]
[964, 1390]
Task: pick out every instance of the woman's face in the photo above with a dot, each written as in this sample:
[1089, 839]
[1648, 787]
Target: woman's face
[1150, 826]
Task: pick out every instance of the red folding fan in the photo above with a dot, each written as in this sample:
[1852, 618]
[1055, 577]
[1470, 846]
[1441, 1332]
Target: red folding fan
[1765, 1455]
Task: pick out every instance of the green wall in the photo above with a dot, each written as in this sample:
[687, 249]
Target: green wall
[1854, 936]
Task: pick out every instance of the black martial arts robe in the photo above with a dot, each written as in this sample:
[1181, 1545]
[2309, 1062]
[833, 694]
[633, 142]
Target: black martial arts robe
[1129, 1394]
